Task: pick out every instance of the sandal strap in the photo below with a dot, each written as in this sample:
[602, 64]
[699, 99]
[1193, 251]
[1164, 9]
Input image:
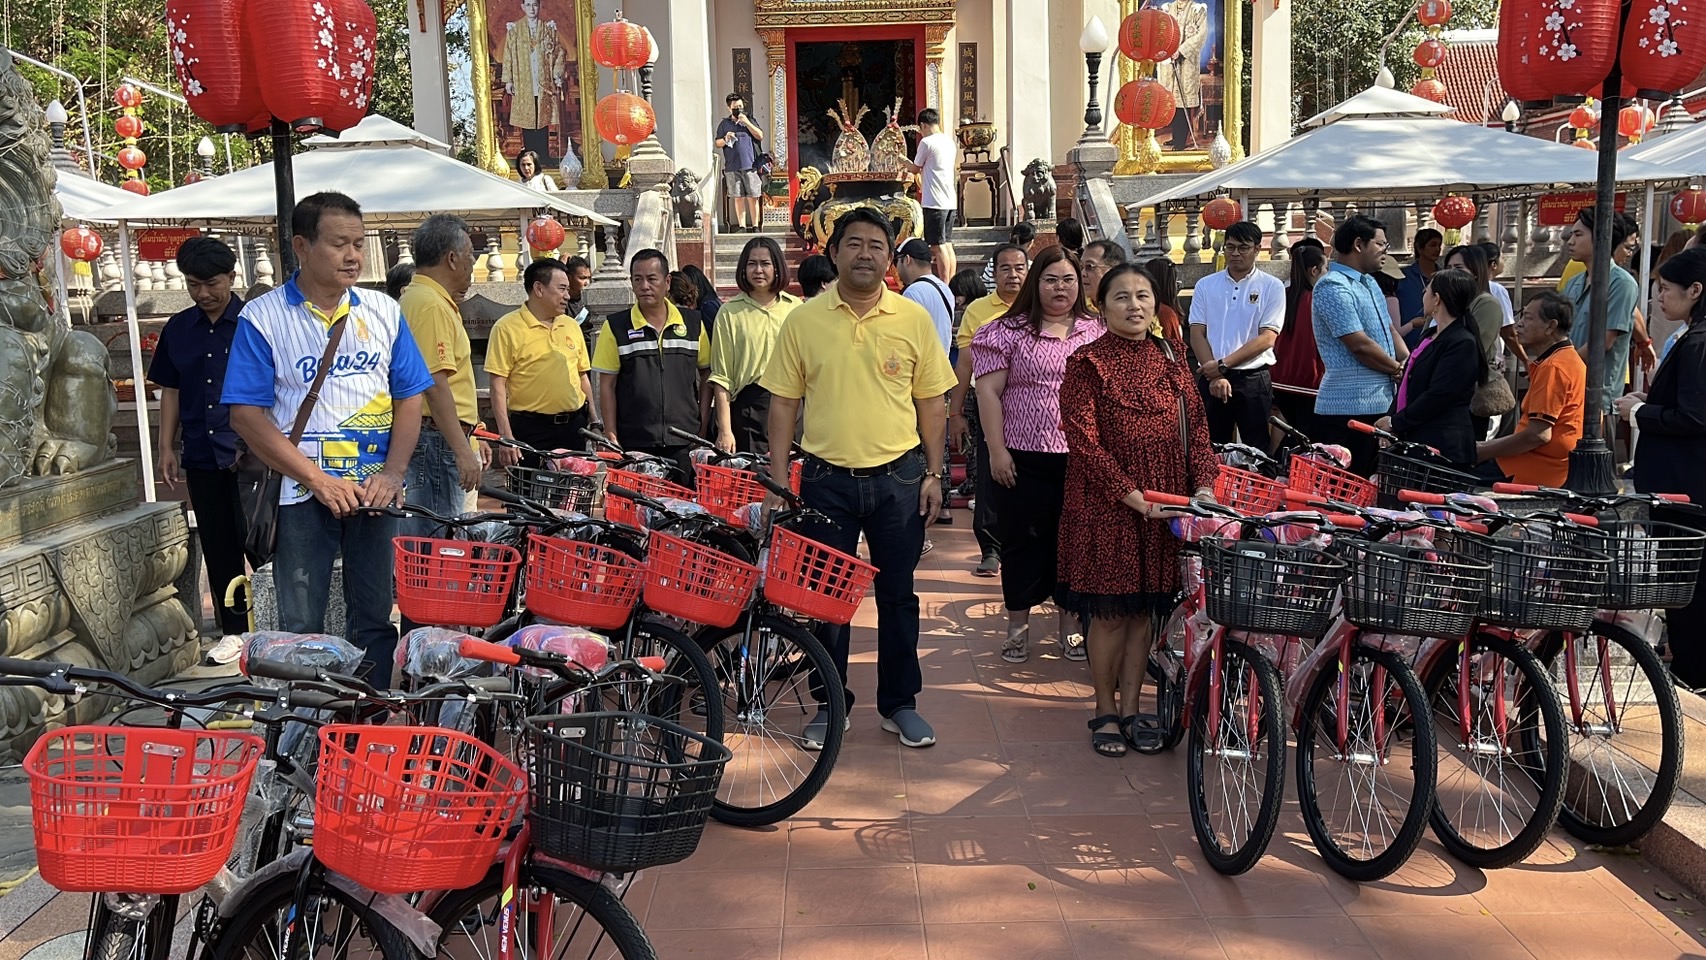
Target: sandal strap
[1103, 721]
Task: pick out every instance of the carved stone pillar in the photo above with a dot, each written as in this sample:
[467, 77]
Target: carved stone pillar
[1164, 231]
[1193, 238]
[1134, 230]
[935, 53]
[1481, 230]
[1280, 247]
[776, 62]
[1311, 216]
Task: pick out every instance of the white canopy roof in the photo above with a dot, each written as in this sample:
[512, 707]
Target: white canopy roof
[1380, 101]
[376, 130]
[82, 197]
[1408, 158]
[1682, 152]
[393, 172]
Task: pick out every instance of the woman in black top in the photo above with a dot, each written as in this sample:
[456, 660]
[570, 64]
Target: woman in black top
[1441, 375]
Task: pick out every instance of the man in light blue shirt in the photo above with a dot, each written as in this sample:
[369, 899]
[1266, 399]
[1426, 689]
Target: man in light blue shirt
[1353, 331]
[926, 289]
[1620, 313]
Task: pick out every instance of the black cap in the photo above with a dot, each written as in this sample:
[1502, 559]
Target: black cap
[916, 249]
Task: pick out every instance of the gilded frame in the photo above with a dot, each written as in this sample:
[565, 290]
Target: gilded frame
[1139, 152]
[487, 155]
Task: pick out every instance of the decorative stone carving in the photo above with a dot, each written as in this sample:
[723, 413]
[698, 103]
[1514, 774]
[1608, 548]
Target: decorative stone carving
[684, 195]
[1039, 190]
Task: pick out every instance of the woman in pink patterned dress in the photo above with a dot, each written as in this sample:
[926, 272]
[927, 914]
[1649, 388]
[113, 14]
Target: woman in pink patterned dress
[1019, 359]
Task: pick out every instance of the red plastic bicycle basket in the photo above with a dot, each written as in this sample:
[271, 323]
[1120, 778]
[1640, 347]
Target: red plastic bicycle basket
[454, 583]
[695, 582]
[1247, 491]
[622, 510]
[579, 583]
[724, 490]
[813, 580]
[137, 809]
[1316, 477]
[401, 809]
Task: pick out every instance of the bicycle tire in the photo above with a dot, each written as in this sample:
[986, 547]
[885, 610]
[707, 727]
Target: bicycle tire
[1245, 845]
[689, 703]
[245, 934]
[1641, 756]
[791, 659]
[1166, 669]
[114, 937]
[469, 919]
[1484, 776]
[1316, 732]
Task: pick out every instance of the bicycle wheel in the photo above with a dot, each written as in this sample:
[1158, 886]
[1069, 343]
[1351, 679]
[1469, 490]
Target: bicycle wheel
[116, 937]
[1498, 791]
[684, 703]
[1166, 670]
[1366, 807]
[773, 683]
[1625, 753]
[588, 921]
[333, 925]
[1236, 771]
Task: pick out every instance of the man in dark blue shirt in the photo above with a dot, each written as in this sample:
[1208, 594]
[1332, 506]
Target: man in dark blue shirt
[189, 367]
[739, 139]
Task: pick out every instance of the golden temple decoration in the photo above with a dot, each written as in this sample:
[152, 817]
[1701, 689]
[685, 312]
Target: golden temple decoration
[1139, 150]
[850, 13]
[488, 155]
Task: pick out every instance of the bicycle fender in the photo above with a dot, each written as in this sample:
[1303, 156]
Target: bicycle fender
[394, 909]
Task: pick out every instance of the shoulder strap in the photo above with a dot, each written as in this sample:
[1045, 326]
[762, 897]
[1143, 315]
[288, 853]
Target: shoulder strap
[944, 297]
[313, 397]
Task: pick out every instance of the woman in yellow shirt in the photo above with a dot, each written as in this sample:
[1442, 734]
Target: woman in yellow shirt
[747, 328]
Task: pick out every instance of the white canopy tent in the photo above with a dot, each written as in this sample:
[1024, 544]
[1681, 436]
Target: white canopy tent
[398, 176]
[1379, 101]
[84, 199]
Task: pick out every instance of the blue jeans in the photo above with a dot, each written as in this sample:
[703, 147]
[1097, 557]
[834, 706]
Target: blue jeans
[433, 482]
[885, 508]
[309, 539]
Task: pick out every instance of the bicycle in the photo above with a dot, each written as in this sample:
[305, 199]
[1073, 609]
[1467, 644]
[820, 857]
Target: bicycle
[1315, 470]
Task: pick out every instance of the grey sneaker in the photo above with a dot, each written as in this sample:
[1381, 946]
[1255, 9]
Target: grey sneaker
[914, 732]
[989, 566]
[817, 730]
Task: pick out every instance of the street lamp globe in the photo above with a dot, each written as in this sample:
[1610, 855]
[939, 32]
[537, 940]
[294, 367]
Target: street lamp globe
[1385, 78]
[56, 113]
[1094, 39]
[204, 148]
[652, 52]
[1512, 113]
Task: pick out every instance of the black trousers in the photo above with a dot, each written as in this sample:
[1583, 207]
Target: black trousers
[1247, 410]
[1687, 626]
[1364, 448]
[749, 416]
[983, 516]
[1297, 409]
[219, 526]
[548, 431]
[1029, 513]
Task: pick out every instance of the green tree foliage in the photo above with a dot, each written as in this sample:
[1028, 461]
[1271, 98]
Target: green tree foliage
[1336, 46]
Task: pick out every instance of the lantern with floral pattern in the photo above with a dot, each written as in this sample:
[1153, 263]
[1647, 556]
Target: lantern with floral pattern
[1664, 46]
[319, 57]
[221, 85]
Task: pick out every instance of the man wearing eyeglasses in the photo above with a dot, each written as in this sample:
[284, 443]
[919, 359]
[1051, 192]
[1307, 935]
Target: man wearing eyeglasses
[1236, 315]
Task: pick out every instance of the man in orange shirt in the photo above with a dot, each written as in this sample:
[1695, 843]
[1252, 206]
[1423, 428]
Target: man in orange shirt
[1538, 451]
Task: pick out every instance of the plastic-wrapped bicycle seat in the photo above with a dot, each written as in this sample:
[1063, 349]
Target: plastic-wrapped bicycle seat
[433, 654]
[578, 644]
[323, 651]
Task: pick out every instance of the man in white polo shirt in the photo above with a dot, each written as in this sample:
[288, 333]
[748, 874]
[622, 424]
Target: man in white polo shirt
[934, 165]
[1236, 315]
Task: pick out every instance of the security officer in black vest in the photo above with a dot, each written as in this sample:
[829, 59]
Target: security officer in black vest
[653, 360]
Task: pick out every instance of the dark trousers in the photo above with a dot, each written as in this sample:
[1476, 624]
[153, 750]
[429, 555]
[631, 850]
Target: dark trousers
[219, 526]
[1687, 626]
[1247, 411]
[548, 431]
[309, 539]
[884, 507]
[1297, 409]
[1364, 448]
[983, 515]
[749, 417]
[1030, 527]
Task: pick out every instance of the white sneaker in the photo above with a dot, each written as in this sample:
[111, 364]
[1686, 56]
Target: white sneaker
[229, 648]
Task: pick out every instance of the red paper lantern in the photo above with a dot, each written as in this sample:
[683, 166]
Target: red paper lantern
[1433, 13]
[1584, 117]
[81, 243]
[1634, 121]
[1664, 46]
[1689, 207]
[131, 158]
[623, 118]
[1221, 212]
[319, 60]
[1429, 54]
[620, 45]
[1565, 46]
[137, 186]
[1150, 34]
[545, 233]
[1454, 213]
[127, 96]
[218, 80]
[191, 177]
[128, 127]
[1145, 104]
[1519, 28]
[1429, 89]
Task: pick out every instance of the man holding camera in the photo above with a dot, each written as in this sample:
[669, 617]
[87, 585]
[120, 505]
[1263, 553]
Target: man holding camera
[739, 138]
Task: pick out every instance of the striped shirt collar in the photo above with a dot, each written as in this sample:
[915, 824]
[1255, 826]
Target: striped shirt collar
[637, 320]
[294, 296]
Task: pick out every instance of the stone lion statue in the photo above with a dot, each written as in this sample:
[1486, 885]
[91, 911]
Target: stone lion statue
[1038, 195]
[684, 196]
[56, 396]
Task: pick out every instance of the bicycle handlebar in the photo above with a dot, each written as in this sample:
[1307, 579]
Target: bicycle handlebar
[601, 440]
[693, 439]
[513, 656]
[1284, 427]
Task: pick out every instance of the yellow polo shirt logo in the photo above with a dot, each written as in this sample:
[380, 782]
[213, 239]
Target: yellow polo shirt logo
[891, 365]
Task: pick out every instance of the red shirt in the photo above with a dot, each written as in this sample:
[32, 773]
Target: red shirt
[1297, 363]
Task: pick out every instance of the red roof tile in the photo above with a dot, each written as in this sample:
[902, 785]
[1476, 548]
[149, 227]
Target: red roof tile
[1471, 77]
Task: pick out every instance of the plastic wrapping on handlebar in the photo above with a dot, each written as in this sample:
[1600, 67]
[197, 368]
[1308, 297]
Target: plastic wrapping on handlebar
[492, 653]
[1349, 521]
[1582, 519]
[1673, 497]
[484, 434]
[1361, 427]
[1503, 487]
[1165, 499]
[280, 670]
[1421, 497]
[16, 667]
[654, 664]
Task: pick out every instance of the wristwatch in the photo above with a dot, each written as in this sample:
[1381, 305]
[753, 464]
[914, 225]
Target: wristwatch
[933, 473]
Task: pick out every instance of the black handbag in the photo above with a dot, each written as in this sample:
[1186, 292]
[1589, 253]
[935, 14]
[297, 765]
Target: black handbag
[258, 485]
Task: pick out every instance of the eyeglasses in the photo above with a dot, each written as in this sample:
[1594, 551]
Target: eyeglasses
[1237, 249]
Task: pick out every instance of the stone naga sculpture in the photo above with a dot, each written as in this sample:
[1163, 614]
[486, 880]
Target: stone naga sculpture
[56, 396]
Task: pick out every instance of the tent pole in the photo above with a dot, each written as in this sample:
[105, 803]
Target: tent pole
[1517, 266]
[127, 267]
[1646, 269]
[284, 184]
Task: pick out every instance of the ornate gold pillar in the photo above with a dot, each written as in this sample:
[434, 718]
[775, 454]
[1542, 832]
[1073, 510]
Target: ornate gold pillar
[776, 65]
[593, 176]
[935, 55]
[487, 151]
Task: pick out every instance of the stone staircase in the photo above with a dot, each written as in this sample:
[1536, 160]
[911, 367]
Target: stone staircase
[972, 245]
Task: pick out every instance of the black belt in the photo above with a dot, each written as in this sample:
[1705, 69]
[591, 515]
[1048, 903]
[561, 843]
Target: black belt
[875, 471]
[1248, 371]
[556, 419]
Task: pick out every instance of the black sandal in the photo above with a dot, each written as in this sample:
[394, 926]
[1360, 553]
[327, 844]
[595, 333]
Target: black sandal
[1144, 732]
[1105, 743]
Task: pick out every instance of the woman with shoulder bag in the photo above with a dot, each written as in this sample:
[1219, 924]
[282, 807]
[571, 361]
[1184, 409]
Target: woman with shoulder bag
[1441, 376]
[1493, 397]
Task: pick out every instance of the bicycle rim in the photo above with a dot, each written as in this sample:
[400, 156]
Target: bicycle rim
[588, 921]
[1622, 775]
[332, 926]
[1366, 807]
[115, 937]
[773, 684]
[683, 703]
[1498, 790]
[1236, 771]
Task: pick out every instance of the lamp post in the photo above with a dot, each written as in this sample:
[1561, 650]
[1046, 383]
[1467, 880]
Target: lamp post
[1510, 115]
[1093, 155]
[204, 152]
[57, 119]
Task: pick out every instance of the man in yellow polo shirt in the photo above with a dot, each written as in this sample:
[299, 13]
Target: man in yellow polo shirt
[445, 465]
[538, 365]
[870, 369]
[1011, 265]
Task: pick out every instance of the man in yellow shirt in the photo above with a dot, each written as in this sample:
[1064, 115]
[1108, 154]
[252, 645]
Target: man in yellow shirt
[871, 372]
[538, 366]
[747, 328]
[1011, 264]
[445, 465]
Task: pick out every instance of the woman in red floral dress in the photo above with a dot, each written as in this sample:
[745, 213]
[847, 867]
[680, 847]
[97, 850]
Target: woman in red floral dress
[1119, 568]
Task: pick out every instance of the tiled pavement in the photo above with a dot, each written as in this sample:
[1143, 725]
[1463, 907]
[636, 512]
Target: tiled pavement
[1011, 839]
